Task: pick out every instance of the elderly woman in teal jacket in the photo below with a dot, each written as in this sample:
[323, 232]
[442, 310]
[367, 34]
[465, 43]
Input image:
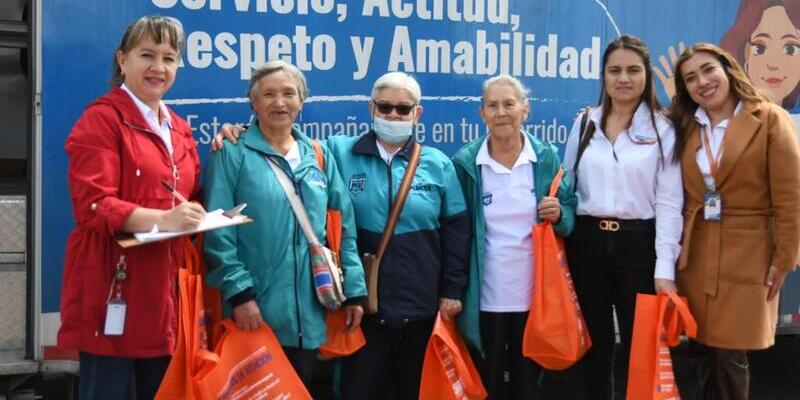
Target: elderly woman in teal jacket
[263, 268]
[506, 177]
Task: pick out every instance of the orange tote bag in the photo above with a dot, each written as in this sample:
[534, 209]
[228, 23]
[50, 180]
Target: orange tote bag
[447, 370]
[192, 328]
[555, 334]
[247, 365]
[338, 343]
[212, 298]
[657, 325]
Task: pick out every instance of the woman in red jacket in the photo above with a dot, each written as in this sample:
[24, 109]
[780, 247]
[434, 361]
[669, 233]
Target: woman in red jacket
[119, 306]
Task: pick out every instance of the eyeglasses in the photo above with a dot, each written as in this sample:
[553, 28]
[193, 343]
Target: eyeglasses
[402, 109]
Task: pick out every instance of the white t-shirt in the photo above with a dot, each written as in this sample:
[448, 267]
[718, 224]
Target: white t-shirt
[509, 209]
[293, 156]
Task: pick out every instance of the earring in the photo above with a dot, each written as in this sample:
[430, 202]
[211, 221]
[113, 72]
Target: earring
[746, 67]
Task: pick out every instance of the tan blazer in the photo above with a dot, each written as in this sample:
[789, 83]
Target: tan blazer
[723, 265]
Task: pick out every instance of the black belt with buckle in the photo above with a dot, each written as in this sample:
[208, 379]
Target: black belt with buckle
[615, 225]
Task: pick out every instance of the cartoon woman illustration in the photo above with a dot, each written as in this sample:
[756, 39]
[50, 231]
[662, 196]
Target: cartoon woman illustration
[765, 39]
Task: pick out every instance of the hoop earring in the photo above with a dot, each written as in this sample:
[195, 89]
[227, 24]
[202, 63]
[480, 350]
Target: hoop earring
[746, 67]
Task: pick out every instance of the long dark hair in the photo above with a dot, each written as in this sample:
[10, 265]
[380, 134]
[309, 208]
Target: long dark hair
[683, 107]
[636, 45]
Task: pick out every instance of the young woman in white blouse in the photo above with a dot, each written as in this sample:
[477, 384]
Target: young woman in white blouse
[630, 195]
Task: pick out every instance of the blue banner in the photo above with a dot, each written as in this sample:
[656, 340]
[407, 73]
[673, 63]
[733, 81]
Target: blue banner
[554, 47]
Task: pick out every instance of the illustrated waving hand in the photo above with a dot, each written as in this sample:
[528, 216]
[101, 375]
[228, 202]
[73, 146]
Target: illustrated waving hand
[667, 77]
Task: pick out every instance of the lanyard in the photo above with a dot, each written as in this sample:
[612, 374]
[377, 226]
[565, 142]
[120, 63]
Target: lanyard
[120, 274]
[713, 162]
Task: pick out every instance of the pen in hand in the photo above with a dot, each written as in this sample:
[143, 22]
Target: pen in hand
[174, 192]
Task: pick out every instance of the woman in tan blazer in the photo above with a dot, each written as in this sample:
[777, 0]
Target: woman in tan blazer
[741, 176]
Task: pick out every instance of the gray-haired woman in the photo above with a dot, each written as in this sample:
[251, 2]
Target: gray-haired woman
[423, 270]
[506, 176]
[264, 269]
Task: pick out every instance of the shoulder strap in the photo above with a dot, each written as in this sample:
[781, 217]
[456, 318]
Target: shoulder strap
[583, 142]
[319, 154]
[584, 119]
[294, 201]
[399, 200]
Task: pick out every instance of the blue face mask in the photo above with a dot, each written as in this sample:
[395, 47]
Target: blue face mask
[393, 132]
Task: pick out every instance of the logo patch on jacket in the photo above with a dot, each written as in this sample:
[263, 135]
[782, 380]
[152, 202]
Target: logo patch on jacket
[357, 183]
[487, 199]
[422, 187]
[316, 178]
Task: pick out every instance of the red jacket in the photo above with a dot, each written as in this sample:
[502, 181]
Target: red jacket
[116, 164]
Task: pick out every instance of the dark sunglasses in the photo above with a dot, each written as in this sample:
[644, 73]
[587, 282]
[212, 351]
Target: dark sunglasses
[402, 109]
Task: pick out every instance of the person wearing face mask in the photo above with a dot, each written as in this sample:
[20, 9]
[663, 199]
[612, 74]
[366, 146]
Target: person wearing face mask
[424, 268]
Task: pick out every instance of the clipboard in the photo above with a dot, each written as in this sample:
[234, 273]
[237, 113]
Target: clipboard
[212, 220]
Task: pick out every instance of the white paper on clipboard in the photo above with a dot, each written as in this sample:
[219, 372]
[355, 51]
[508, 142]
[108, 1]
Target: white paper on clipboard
[212, 220]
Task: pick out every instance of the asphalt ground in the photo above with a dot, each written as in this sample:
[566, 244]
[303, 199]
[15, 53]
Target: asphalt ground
[775, 375]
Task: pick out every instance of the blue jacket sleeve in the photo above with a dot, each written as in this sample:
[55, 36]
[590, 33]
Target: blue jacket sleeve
[225, 270]
[455, 234]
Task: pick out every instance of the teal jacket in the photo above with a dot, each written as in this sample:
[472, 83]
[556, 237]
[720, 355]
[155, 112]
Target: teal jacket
[469, 173]
[426, 258]
[267, 260]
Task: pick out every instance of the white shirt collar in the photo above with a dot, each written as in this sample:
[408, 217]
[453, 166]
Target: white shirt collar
[641, 118]
[701, 116]
[385, 154]
[146, 111]
[527, 155]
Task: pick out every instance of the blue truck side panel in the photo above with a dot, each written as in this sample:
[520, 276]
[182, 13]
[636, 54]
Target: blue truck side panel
[343, 46]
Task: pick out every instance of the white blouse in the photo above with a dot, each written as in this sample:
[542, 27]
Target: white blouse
[160, 128]
[716, 136]
[632, 179]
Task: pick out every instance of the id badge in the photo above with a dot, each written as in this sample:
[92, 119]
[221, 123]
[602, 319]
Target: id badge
[115, 317]
[713, 206]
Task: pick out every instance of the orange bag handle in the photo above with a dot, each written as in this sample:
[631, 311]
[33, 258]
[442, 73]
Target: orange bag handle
[319, 154]
[193, 254]
[212, 357]
[334, 217]
[678, 319]
[554, 185]
[191, 258]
